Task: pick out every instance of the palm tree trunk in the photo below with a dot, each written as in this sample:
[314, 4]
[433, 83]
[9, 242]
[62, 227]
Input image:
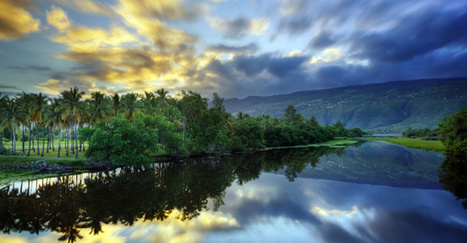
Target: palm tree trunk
[48, 139]
[23, 141]
[76, 138]
[43, 139]
[52, 133]
[38, 148]
[59, 137]
[67, 140]
[29, 149]
[1, 141]
[32, 136]
[14, 140]
[72, 140]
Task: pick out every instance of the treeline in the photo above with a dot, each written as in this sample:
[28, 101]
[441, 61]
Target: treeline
[120, 128]
[421, 133]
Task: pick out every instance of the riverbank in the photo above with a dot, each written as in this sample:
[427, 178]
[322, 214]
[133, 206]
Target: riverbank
[14, 167]
[417, 143]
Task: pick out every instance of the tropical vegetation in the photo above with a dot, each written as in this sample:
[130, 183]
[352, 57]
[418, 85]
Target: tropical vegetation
[129, 129]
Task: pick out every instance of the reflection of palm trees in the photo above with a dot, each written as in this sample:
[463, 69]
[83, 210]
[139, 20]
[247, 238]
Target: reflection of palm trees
[68, 206]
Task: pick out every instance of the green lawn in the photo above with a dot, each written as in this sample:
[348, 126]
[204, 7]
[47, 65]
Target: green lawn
[412, 142]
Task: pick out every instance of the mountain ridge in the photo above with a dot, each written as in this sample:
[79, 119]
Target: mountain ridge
[390, 107]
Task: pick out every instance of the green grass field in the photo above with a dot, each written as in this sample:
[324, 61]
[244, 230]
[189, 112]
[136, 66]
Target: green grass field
[412, 143]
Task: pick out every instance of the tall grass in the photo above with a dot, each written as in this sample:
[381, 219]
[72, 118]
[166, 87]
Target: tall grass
[417, 143]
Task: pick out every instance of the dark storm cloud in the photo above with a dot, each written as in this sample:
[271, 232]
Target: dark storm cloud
[252, 47]
[239, 27]
[280, 67]
[296, 25]
[322, 40]
[414, 36]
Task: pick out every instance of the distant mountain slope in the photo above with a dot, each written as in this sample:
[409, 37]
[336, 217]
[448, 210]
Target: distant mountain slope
[382, 108]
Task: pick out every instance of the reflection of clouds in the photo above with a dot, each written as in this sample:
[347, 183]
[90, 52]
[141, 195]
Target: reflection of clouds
[330, 211]
[271, 209]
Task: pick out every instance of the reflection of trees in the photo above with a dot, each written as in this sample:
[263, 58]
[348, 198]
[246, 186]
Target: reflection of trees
[71, 204]
[453, 174]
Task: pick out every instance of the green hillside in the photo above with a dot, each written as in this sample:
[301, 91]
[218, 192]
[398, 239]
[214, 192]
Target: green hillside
[382, 108]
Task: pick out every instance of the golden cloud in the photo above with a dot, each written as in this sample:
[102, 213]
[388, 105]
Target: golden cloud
[15, 21]
[86, 6]
[82, 38]
[165, 58]
[162, 9]
[145, 17]
[58, 18]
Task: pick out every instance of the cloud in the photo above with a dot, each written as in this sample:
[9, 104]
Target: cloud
[163, 10]
[146, 17]
[82, 38]
[414, 36]
[58, 18]
[87, 6]
[239, 27]
[221, 48]
[15, 21]
[34, 68]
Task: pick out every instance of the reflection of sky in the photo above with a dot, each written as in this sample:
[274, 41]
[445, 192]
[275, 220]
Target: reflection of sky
[271, 209]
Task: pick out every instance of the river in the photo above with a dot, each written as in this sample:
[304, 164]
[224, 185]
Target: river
[371, 192]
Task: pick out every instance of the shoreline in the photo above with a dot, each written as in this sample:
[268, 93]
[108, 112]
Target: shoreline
[13, 167]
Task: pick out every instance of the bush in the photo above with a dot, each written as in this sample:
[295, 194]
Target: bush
[122, 143]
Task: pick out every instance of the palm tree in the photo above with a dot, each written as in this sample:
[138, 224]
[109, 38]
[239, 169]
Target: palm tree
[3, 103]
[100, 107]
[12, 116]
[116, 103]
[73, 107]
[130, 104]
[27, 104]
[39, 102]
[162, 96]
[54, 118]
[149, 102]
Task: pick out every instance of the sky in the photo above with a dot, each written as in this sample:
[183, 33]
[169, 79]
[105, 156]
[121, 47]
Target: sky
[237, 48]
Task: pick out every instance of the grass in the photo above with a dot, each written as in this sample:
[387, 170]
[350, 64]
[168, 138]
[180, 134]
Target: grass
[332, 143]
[417, 143]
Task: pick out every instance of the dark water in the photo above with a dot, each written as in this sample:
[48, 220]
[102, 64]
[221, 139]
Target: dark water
[374, 192]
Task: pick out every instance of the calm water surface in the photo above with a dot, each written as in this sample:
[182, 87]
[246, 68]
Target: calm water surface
[374, 192]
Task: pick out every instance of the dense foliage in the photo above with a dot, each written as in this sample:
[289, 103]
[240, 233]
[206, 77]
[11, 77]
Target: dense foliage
[123, 143]
[421, 133]
[127, 129]
[453, 132]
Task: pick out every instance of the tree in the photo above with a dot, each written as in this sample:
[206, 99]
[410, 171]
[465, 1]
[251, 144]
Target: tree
[54, 118]
[217, 103]
[100, 107]
[39, 102]
[73, 107]
[12, 116]
[453, 132]
[130, 104]
[162, 96]
[122, 143]
[292, 116]
[116, 104]
[149, 103]
[249, 131]
[3, 104]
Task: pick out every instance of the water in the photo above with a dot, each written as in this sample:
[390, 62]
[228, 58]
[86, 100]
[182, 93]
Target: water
[374, 192]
